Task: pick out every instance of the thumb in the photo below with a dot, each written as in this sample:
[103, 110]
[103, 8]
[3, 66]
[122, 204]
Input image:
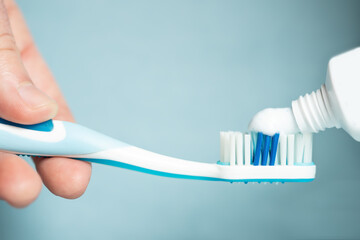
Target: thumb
[20, 100]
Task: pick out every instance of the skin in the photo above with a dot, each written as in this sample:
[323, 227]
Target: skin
[29, 94]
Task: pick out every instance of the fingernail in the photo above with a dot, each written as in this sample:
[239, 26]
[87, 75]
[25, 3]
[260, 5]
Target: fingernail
[33, 97]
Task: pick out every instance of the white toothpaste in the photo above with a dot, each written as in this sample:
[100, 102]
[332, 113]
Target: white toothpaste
[274, 120]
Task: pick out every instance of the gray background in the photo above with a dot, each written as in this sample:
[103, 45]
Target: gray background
[168, 76]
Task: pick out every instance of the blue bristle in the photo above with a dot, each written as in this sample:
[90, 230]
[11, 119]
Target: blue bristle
[258, 149]
[265, 150]
[273, 151]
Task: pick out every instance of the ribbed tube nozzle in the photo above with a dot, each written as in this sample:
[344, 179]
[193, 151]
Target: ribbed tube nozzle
[313, 112]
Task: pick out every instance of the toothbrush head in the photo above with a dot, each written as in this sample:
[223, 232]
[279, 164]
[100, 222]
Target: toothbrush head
[256, 157]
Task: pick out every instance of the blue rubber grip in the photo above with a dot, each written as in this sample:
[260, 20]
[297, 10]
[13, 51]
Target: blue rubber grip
[258, 149]
[273, 151]
[265, 150]
[44, 126]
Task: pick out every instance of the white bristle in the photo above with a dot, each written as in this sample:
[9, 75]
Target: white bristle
[290, 149]
[232, 149]
[283, 149]
[277, 153]
[277, 157]
[239, 149]
[299, 148]
[226, 147]
[308, 145]
[222, 146]
[247, 149]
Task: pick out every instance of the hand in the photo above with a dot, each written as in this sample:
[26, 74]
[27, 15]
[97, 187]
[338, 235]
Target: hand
[28, 95]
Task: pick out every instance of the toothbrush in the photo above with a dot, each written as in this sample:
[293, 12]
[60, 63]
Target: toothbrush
[243, 156]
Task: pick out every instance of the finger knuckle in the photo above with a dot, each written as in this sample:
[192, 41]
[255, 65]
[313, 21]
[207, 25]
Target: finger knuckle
[7, 42]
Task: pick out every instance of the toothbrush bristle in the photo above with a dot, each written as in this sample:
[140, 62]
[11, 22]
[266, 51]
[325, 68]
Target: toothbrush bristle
[274, 148]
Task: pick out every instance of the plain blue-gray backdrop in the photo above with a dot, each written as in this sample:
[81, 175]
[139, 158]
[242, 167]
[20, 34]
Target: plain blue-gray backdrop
[168, 76]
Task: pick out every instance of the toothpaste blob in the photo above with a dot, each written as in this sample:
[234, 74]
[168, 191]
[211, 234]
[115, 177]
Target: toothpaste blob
[274, 120]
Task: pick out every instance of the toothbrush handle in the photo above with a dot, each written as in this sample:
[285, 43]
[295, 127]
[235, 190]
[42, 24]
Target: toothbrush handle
[53, 138]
